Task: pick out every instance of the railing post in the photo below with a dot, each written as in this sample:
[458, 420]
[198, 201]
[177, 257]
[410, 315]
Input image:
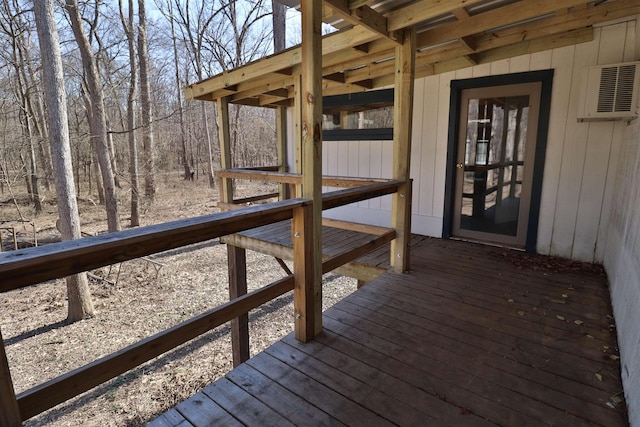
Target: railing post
[306, 298]
[402, 122]
[237, 263]
[9, 412]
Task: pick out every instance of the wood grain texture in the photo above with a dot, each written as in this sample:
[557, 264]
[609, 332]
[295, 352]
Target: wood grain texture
[468, 338]
[35, 265]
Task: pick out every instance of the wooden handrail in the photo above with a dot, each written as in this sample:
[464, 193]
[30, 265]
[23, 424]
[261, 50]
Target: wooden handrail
[36, 265]
[358, 194]
[64, 387]
[294, 178]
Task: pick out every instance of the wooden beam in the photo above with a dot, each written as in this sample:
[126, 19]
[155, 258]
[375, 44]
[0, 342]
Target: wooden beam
[460, 13]
[402, 124]
[310, 309]
[364, 15]
[506, 15]
[577, 19]
[422, 11]
[281, 129]
[226, 188]
[237, 265]
[56, 260]
[278, 63]
[9, 412]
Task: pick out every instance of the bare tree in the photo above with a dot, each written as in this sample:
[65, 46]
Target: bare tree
[186, 164]
[128, 25]
[97, 114]
[80, 304]
[279, 20]
[145, 104]
[13, 25]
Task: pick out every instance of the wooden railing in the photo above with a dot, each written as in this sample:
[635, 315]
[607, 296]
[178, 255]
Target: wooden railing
[292, 180]
[23, 268]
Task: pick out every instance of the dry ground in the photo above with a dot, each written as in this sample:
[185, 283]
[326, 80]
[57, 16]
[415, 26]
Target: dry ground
[137, 299]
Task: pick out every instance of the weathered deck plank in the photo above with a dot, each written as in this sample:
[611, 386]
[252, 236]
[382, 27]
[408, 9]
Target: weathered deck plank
[468, 337]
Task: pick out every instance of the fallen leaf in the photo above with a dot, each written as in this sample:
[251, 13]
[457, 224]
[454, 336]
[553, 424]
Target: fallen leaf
[559, 301]
[510, 300]
[599, 377]
[559, 317]
[521, 313]
[617, 399]
[578, 322]
[565, 296]
[614, 357]
[589, 336]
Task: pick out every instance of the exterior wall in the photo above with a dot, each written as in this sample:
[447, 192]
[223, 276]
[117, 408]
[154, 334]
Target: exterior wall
[581, 160]
[622, 260]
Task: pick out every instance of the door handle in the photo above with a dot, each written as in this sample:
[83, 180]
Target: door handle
[459, 165]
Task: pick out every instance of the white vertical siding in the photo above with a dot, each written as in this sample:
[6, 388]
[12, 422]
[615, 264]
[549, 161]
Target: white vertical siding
[580, 162]
[622, 262]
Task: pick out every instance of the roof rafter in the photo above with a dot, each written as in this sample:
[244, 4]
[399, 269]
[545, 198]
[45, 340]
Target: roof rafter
[506, 15]
[363, 15]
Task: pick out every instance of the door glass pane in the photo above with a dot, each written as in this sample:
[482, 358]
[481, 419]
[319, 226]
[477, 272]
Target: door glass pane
[494, 164]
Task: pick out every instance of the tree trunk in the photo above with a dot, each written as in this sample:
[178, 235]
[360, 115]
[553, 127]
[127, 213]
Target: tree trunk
[97, 123]
[279, 17]
[80, 304]
[128, 25]
[149, 164]
[188, 167]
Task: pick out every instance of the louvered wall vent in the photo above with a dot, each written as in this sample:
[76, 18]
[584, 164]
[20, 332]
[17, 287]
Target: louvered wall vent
[610, 92]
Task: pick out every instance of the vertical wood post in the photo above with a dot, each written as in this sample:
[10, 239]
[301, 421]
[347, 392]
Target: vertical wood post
[236, 257]
[226, 189]
[309, 315]
[402, 127]
[297, 114]
[281, 128]
[9, 412]
[303, 270]
[237, 262]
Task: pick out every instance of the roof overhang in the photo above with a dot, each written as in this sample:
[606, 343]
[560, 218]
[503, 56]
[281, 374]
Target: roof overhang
[451, 35]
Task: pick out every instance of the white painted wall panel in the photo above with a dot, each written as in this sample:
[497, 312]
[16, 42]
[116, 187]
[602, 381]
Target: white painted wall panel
[581, 158]
[622, 262]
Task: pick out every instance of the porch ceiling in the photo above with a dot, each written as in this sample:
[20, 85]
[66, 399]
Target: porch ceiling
[450, 35]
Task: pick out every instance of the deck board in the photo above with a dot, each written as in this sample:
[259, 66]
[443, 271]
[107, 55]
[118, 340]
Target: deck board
[275, 239]
[469, 337]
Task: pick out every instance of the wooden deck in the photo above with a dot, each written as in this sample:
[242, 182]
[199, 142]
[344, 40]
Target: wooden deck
[474, 335]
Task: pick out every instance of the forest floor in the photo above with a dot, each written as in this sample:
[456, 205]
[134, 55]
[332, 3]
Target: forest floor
[134, 300]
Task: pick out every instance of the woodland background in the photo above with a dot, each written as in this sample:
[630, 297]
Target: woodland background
[186, 41]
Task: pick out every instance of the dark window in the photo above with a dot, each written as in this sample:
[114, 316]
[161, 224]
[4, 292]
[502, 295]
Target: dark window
[358, 116]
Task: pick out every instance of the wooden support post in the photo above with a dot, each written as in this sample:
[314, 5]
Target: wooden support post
[237, 260]
[236, 257]
[310, 323]
[303, 270]
[226, 189]
[297, 113]
[9, 412]
[402, 127]
[281, 126]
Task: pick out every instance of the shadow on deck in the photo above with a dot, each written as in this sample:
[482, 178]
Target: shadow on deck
[474, 335]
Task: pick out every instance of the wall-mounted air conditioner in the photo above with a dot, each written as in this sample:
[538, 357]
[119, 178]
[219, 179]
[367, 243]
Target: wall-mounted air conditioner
[610, 92]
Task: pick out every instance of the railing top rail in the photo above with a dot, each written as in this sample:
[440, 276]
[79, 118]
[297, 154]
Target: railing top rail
[35, 265]
[294, 178]
[352, 195]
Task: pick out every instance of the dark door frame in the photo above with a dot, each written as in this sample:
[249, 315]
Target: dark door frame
[457, 86]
